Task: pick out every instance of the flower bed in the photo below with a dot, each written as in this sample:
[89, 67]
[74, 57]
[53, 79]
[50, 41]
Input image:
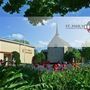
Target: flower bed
[54, 66]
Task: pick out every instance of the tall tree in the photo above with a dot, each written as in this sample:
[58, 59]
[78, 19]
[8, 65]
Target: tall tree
[38, 58]
[74, 54]
[85, 52]
[43, 8]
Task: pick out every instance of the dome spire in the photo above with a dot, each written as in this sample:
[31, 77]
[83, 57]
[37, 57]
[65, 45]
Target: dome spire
[57, 29]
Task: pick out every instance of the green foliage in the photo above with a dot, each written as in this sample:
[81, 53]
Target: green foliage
[42, 56]
[16, 57]
[85, 52]
[43, 8]
[1, 1]
[21, 41]
[25, 78]
[12, 78]
[75, 79]
[36, 20]
[77, 54]
[13, 6]
[69, 55]
[45, 52]
[39, 57]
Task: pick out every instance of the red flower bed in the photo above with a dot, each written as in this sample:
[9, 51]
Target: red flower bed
[55, 66]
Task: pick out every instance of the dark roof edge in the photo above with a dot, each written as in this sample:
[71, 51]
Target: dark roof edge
[11, 41]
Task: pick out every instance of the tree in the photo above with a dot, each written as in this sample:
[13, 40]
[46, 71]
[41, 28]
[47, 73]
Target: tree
[69, 55]
[38, 58]
[45, 53]
[85, 52]
[77, 54]
[16, 57]
[21, 41]
[43, 8]
[42, 56]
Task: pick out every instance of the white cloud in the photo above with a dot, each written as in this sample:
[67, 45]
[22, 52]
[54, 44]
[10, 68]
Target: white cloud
[42, 44]
[16, 36]
[77, 43]
[25, 20]
[45, 21]
[45, 43]
[86, 43]
[53, 24]
[39, 24]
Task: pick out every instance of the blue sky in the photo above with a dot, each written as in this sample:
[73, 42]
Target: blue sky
[17, 26]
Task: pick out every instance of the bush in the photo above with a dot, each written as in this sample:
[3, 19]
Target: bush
[16, 57]
[17, 78]
[38, 58]
[74, 54]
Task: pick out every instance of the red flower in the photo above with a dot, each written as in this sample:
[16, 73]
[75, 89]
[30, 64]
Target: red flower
[63, 65]
[56, 67]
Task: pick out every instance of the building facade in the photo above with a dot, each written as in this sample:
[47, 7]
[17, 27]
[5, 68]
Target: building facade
[7, 47]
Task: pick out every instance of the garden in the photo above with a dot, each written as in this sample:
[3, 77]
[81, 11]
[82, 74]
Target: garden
[27, 78]
[43, 75]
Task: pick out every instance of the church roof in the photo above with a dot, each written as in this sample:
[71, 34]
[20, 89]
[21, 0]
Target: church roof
[57, 41]
[14, 42]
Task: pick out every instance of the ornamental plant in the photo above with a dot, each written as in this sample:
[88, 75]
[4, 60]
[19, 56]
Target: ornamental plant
[26, 78]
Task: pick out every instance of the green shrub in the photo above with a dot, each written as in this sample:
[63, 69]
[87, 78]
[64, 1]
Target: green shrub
[16, 57]
[24, 78]
[39, 57]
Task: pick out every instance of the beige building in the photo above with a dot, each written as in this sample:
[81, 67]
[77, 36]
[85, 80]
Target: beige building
[7, 47]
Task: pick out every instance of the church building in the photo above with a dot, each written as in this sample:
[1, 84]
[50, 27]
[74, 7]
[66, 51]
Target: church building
[7, 47]
[56, 48]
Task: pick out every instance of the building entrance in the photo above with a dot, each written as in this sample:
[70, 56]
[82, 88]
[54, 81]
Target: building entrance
[6, 57]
